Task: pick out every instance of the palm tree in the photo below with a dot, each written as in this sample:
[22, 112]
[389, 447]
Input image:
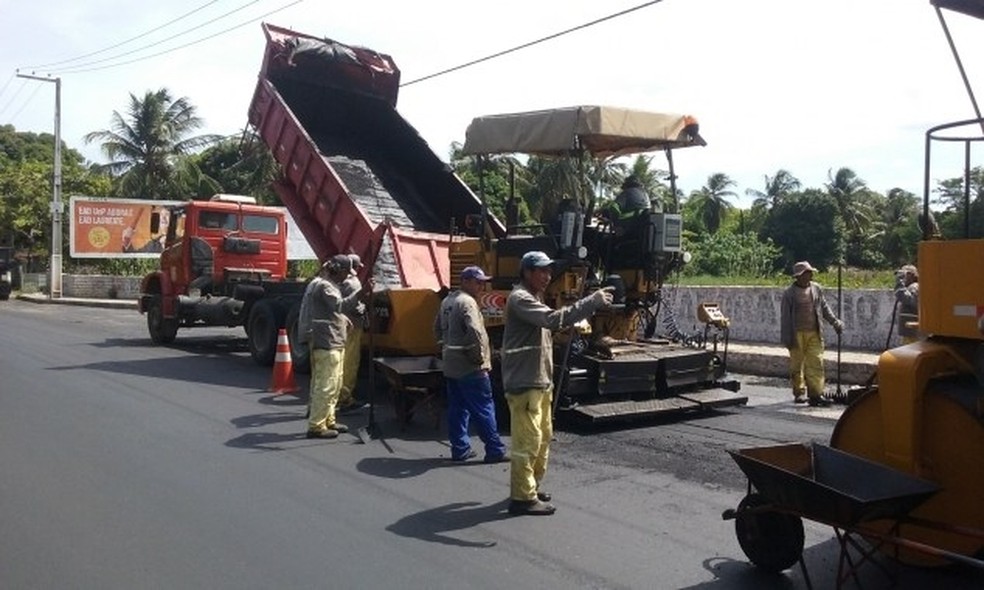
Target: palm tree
[848, 191]
[144, 146]
[777, 188]
[711, 200]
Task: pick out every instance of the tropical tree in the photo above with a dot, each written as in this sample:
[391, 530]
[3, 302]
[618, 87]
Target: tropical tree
[240, 165]
[502, 176]
[900, 230]
[776, 189]
[710, 202]
[952, 196]
[146, 144]
[807, 226]
[26, 173]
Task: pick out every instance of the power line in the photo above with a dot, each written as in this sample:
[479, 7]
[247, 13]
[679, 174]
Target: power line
[14, 97]
[26, 102]
[532, 43]
[173, 49]
[69, 69]
[6, 84]
[130, 40]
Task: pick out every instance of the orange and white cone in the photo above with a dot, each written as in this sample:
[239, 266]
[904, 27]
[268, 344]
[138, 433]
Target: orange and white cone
[283, 367]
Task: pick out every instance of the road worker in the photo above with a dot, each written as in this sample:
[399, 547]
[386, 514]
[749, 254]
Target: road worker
[527, 375]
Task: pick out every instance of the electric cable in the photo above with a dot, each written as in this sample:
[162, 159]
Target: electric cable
[6, 84]
[14, 96]
[173, 49]
[30, 97]
[531, 43]
[121, 43]
[71, 69]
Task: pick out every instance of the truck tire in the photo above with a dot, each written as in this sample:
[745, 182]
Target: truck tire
[300, 353]
[263, 326]
[162, 330]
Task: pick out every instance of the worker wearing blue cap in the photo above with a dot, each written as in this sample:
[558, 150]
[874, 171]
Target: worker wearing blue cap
[527, 376]
[467, 361]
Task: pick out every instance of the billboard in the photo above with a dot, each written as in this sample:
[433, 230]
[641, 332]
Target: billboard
[136, 228]
[117, 228]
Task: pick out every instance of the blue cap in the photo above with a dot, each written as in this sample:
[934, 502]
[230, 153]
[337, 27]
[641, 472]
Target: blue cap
[535, 259]
[474, 272]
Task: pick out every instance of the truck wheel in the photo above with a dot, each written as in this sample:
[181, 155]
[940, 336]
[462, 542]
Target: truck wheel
[300, 354]
[162, 330]
[263, 328]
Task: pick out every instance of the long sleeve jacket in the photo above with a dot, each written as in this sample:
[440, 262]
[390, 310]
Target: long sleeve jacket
[461, 330]
[527, 345]
[329, 322]
[787, 311]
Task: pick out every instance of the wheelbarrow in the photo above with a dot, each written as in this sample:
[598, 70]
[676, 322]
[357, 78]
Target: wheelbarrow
[860, 499]
[415, 383]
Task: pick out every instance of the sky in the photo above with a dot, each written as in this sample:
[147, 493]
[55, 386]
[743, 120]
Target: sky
[799, 85]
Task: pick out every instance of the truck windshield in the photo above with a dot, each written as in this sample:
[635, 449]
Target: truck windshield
[260, 223]
[217, 220]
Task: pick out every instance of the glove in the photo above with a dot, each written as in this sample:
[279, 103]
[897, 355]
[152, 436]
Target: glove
[838, 326]
[603, 297]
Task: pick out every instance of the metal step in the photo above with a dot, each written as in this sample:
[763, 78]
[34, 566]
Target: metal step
[689, 402]
[716, 398]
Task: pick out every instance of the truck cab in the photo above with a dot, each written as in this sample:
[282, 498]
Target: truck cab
[224, 263]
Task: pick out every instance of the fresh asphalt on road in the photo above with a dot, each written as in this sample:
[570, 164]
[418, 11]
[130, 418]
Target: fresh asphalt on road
[127, 465]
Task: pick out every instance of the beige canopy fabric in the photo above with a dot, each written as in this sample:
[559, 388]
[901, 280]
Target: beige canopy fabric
[600, 130]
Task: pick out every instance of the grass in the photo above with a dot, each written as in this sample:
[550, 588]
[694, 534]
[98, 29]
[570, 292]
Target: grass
[851, 278]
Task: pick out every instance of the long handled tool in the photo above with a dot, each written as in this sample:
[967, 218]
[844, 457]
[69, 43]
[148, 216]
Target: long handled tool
[839, 395]
[365, 433]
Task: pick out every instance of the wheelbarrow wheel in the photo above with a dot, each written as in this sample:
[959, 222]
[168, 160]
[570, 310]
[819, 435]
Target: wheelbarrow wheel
[773, 541]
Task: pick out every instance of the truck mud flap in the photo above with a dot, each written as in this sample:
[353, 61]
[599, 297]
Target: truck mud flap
[715, 398]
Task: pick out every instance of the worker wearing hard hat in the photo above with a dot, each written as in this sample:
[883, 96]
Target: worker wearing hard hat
[527, 376]
[467, 357]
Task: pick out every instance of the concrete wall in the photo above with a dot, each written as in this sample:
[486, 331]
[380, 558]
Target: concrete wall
[87, 286]
[754, 313]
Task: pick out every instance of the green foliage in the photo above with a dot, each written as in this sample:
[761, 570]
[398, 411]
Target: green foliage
[146, 145]
[806, 226]
[732, 255]
[26, 172]
[953, 196]
[239, 167]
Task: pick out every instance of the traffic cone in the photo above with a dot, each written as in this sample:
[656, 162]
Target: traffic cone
[283, 367]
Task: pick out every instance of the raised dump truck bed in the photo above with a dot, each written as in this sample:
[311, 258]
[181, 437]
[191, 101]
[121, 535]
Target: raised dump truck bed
[357, 177]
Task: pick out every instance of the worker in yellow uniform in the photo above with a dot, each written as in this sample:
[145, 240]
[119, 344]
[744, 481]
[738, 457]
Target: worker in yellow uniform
[527, 376]
[353, 341]
[329, 328]
[800, 311]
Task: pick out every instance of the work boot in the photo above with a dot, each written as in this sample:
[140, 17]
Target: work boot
[530, 508]
[324, 433]
[819, 402]
[800, 398]
[340, 428]
[543, 496]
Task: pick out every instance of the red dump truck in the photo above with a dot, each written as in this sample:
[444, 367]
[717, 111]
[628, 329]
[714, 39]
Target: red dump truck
[356, 177]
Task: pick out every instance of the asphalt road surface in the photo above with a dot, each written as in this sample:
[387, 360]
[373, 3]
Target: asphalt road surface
[127, 465]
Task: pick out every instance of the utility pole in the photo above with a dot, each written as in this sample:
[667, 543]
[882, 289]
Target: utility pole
[55, 278]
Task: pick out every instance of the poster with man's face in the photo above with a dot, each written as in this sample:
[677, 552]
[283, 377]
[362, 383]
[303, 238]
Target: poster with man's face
[117, 228]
